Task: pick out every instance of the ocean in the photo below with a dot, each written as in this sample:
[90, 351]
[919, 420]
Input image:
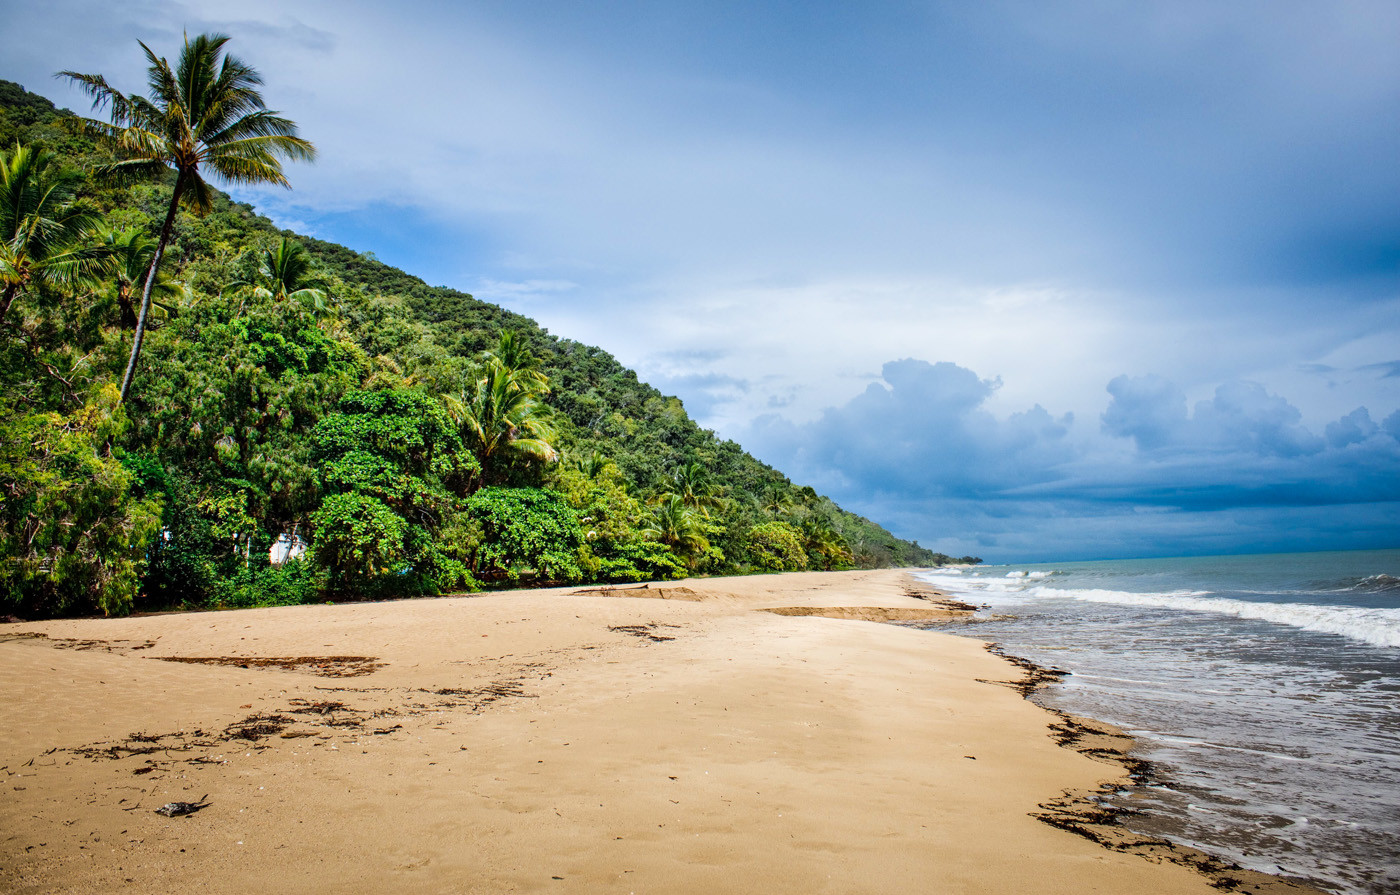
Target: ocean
[1265, 691]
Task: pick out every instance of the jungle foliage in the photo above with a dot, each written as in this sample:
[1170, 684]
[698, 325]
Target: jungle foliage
[301, 402]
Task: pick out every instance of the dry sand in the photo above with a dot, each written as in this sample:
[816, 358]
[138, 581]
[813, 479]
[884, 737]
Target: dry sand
[661, 740]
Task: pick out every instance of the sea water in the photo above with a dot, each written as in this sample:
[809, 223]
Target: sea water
[1265, 690]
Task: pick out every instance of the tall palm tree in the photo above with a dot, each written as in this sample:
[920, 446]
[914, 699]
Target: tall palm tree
[44, 233]
[205, 115]
[286, 273]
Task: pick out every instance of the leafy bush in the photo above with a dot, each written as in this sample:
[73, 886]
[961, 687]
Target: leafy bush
[776, 547]
[526, 532]
[72, 535]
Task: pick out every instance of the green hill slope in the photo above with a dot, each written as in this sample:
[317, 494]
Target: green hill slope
[319, 418]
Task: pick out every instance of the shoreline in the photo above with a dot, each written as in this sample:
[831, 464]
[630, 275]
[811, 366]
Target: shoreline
[566, 740]
[1086, 813]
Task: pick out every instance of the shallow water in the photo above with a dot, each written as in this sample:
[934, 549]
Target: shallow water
[1266, 690]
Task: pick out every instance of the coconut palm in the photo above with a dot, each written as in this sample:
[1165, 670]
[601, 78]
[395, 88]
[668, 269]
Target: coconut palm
[286, 273]
[823, 543]
[775, 500]
[44, 233]
[592, 465]
[204, 116]
[500, 419]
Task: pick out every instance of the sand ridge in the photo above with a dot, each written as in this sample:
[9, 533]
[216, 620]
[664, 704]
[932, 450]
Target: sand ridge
[540, 741]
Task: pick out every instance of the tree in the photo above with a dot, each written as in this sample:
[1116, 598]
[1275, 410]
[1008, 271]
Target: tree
[678, 527]
[525, 532]
[43, 231]
[694, 487]
[512, 354]
[775, 500]
[393, 468]
[825, 547]
[500, 416]
[285, 273]
[72, 536]
[129, 259]
[776, 547]
[205, 115]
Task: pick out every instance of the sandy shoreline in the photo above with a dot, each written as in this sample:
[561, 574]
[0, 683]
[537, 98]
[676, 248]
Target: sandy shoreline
[671, 739]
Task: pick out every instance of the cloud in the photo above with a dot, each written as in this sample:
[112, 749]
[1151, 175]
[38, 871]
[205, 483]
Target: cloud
[921, 432]
[1159, 476]
[1242, 416]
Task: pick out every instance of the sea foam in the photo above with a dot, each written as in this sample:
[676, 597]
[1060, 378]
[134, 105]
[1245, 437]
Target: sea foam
[1378, 627]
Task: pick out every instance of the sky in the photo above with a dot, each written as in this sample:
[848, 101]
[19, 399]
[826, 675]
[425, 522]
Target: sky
[1023, 280]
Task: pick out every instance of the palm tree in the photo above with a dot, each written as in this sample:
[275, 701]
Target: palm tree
[694, 487]
[286, 273]
[500, 419]
[512, 354]
[205, 115]
[677, 526]
[592, 465]
[823, 542]
[43, 232]
[129, 259]
[775, 501]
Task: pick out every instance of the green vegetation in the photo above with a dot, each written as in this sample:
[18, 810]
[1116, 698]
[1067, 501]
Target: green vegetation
[299, 400]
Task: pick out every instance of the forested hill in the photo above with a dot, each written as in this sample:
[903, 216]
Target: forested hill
[294, 393]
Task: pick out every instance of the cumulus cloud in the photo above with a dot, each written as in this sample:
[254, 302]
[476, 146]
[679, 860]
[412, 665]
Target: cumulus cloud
[922, 431]
[1235, 472]
[1241, 416]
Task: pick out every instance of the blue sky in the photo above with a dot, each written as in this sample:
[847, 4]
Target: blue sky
[1032, 281]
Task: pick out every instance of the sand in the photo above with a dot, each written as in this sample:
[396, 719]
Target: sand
[672, 739]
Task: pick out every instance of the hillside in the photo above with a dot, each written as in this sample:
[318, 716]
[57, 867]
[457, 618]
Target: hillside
[296, 391]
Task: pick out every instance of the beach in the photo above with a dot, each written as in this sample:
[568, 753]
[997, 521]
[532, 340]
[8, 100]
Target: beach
[679, 738]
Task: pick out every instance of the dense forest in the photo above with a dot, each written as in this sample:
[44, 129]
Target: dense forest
[200, 410]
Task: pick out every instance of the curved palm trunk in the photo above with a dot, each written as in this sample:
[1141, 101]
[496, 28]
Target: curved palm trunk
[165, 232]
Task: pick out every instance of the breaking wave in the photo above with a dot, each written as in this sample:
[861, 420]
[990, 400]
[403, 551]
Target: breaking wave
[1378, 627]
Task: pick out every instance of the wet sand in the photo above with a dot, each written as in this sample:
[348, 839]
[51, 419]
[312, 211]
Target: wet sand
[673, 739]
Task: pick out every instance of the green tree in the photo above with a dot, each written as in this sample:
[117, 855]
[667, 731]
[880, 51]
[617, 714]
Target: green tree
[825, 547]
[775, 500]
[286, 273]
[695, 487]
[129, 254]
[512, 354]
[776, 547]
[44, 232]
[72, 535]
[393, 469]
[678, 527]
[501, 419]
[205, 115]
[525, 533]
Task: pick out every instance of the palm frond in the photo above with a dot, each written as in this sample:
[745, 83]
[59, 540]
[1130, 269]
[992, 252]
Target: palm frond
[102, 93]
